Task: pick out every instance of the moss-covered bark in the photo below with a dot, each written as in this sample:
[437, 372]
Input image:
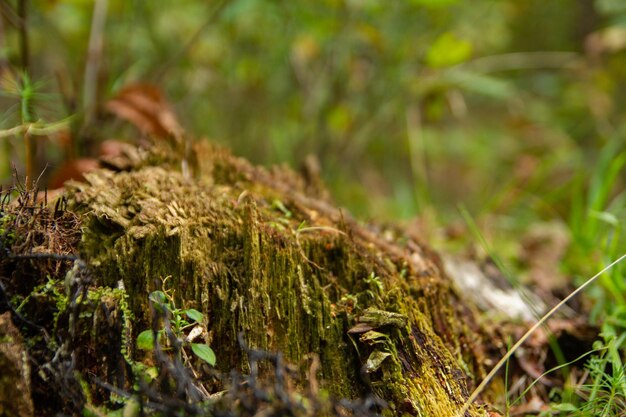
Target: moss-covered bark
[15, 393]
[250, 249]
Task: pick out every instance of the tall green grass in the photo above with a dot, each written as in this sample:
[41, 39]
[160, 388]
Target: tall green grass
[596, 219]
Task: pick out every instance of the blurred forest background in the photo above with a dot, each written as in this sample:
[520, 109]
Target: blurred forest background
[511, 109]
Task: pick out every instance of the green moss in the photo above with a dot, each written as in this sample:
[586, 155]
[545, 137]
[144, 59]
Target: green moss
[5, 225]
[294, 289]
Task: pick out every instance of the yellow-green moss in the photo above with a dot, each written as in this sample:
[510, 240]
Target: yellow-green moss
[239, 258]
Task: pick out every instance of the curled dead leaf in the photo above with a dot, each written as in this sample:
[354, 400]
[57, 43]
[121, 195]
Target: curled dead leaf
[72, 170]
[144, 106]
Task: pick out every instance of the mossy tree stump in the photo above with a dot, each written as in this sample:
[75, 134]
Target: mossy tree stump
[258, 252]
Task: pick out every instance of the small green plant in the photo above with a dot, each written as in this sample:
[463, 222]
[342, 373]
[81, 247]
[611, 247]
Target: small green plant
[604, 391]
[375, 286]
[597, 222]
[28, 94]
[186, 325]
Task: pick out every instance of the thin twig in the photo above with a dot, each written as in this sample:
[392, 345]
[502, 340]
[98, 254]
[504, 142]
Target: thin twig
[9, 14]
[3, 58]
[35, 129]
[94, 58]
[30, 152]
[196, 36]
[521, 61]
[22, 8]
[418, 158]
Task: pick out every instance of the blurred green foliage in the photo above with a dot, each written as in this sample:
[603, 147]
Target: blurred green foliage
[498, 105]
[513, 109]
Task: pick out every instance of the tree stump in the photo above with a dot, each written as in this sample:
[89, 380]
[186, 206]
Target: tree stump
[358, 310]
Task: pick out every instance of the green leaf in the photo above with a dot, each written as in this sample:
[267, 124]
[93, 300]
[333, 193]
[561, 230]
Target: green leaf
[158, 297]
[448, 50]
[204, 352]
[159, 301]
[132, 408]
[194, 315]
[145, 340]
[375, 360]
[279, 205]
[152, 372]
[480, 83]
[565, 407]
[606, 217]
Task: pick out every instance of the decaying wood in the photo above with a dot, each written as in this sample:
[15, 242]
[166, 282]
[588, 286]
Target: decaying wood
[15, 399]
[245, 246]
[366, 314]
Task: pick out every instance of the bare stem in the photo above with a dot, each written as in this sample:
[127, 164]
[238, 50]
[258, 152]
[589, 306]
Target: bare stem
[22, 7]
[94, 59]
[30, 159]
[211, 18]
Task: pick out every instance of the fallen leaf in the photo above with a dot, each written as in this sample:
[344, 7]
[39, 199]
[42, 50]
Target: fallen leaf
[144, 106]
[72, 170]
[543, 247]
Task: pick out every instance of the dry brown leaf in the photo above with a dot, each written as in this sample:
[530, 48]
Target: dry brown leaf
[543, 247]
[574, 337]
[144, 106]
[533, 406]
[72, 170]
